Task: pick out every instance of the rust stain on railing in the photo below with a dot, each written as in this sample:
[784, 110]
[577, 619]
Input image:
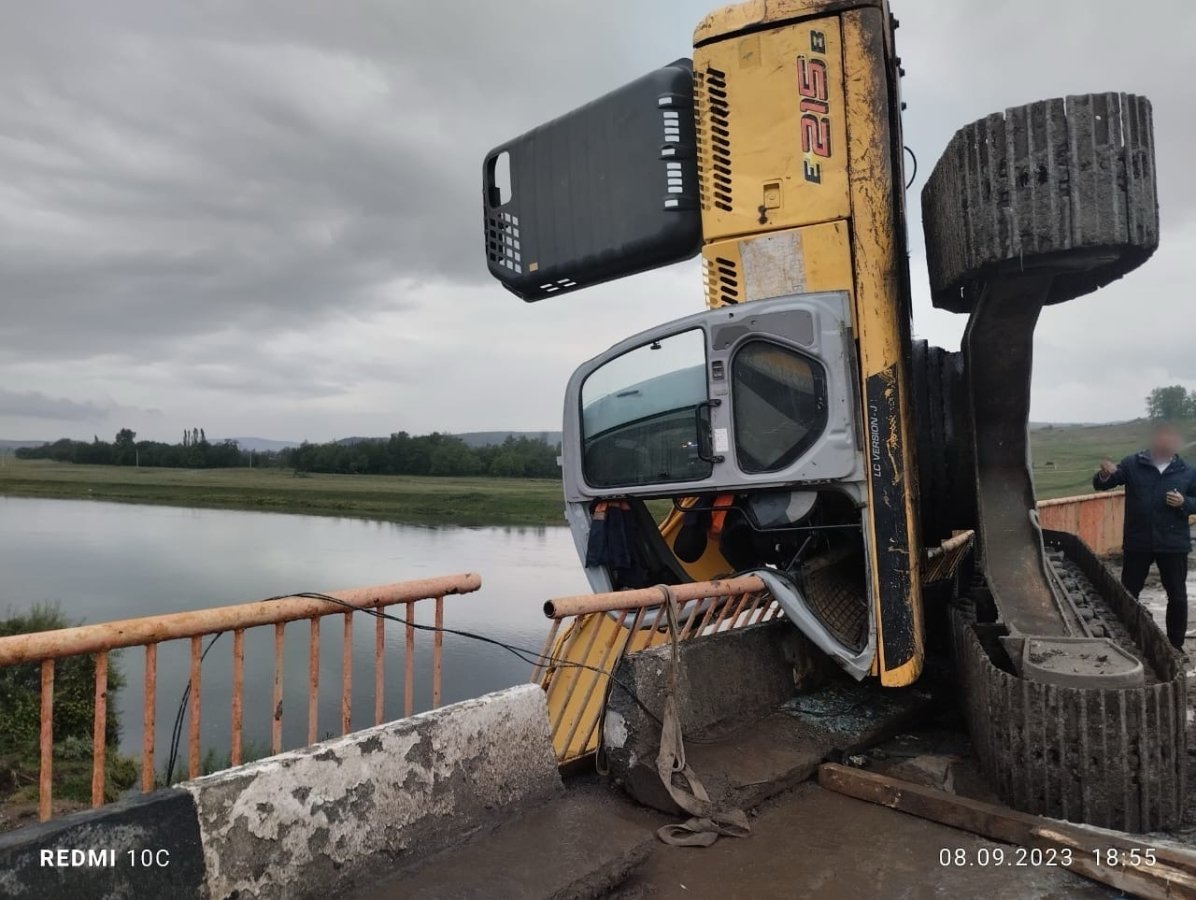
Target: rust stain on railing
[100, 639]
[276, 705]
[1097, 519]
[575, 663]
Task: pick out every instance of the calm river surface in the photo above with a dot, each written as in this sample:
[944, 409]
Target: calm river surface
[104, 561]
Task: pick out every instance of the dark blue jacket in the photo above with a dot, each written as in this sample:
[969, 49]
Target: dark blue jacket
[1150, 524]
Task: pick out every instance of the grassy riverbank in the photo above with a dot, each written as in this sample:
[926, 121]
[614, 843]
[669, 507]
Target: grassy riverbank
[1065, 456]
[410, 499]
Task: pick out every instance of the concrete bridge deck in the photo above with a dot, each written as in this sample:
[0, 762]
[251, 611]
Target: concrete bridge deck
[807, 842]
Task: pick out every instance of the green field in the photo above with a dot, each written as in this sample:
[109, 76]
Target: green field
[1066, 456]
[411, 499]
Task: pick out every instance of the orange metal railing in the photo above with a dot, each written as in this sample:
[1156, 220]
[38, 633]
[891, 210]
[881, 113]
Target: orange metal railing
[601, 628]
[47, 646]
[1097, 519]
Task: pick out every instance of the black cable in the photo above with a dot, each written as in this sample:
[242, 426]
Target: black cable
[530, 657]
[914, 157]
[176, 734]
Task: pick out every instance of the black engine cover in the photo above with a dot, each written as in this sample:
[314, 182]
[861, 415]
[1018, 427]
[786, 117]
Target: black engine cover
[607, 190]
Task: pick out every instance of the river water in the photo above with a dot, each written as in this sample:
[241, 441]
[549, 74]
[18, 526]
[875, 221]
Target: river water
[103, 561]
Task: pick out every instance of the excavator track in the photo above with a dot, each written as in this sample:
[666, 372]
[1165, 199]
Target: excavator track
[1113, 758]
[1076, 702]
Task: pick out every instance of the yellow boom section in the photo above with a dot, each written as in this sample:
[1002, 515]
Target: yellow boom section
[801, 188]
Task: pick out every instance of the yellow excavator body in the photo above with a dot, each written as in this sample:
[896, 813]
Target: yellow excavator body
[801, 179]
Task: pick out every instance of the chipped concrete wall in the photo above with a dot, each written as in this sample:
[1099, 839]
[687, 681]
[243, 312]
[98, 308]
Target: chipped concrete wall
[311, 821]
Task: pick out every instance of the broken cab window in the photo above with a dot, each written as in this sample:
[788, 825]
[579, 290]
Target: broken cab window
[640, 415]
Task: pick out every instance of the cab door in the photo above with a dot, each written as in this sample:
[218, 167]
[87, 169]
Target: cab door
[751, 397]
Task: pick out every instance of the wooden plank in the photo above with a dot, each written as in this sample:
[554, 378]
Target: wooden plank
[1172, 875]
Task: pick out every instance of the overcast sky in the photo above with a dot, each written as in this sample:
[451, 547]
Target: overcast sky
[263, 218]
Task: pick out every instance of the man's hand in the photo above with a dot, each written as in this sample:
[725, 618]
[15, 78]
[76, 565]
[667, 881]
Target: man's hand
[1175, 499]
[1107, 468]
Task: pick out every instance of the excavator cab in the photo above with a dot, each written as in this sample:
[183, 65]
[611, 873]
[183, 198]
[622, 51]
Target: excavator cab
[742, 424]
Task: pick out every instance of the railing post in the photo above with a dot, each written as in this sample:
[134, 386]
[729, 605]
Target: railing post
[347, 674]
[99, 731]
[409, 664]
[276, 724]
[437, 648]
[45, 784]
[313, 679]
[759, 608]
[148, 716]
[193, 736]
[379, 662]
[238, 709]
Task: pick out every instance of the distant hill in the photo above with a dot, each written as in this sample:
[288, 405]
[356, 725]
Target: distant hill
[17, 445]
[259, 445]
[476, 438]
[486, 438]
[269, 445]
[350, 441]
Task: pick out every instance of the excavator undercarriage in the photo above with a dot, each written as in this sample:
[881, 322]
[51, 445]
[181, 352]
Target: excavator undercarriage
[1075, 699]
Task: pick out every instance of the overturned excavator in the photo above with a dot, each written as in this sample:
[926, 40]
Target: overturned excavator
[795, 430]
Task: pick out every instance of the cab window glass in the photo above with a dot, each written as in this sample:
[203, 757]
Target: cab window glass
[640, 415]
[780, 408]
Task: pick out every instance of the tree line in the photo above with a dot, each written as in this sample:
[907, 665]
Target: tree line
[1172, 402]
[400, 454]
[126, 450]
[428, 454]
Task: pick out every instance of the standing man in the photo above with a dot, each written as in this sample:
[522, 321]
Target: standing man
[1160, 494]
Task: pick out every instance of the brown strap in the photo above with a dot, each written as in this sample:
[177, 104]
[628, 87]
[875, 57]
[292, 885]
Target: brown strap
[682, 783]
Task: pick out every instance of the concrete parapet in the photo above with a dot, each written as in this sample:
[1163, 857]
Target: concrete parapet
[309, 822]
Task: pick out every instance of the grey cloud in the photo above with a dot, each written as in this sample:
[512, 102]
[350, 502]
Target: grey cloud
[185, 187]
[36, 405]
[968, 59]
[182, 168]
